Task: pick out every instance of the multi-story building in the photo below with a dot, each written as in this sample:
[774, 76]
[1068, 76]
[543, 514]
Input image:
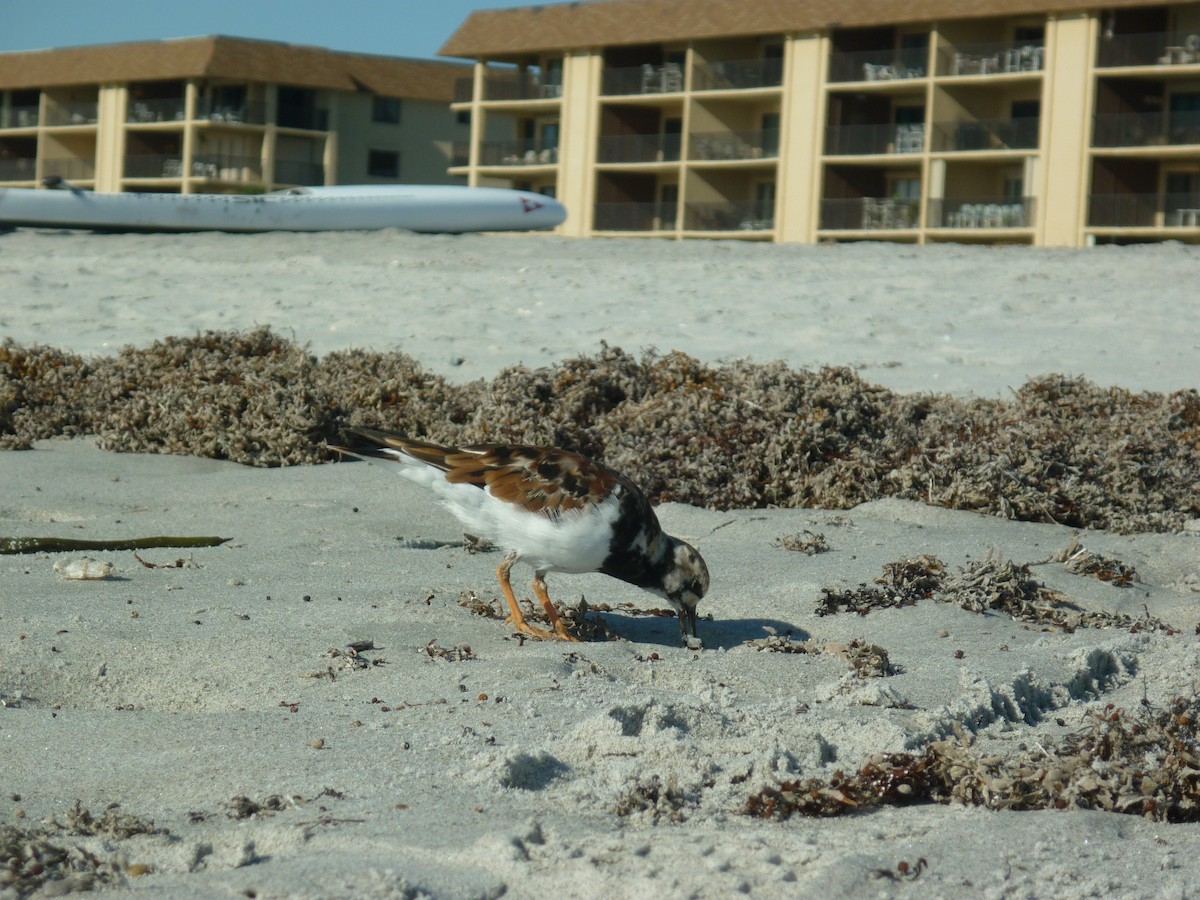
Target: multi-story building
[1055, 124]
[219, 114]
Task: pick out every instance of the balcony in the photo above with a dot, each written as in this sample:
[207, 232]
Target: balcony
[877, 65]
[19, 117]
[213, 167]
[81, 113]
[986, 212]
[644, 79]
[300, 117]
[1146, 130]
[19, 169]
[142, 112]
[735, 145]
[69, 168]
[517, 87]
[991, 59]
[516, 153]
[1149, 49]
[235, 113]
[869, 214]
[728, 215]
[631, 216]
[639, 148]
[738, 75]
[986, 134]
[869, 140]
[1144, 210]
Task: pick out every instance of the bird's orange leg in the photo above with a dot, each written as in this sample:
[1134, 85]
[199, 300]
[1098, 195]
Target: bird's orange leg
[514, 611]
[560, 630]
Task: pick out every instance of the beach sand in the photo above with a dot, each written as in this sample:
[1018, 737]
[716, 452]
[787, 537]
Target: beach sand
[198, 692]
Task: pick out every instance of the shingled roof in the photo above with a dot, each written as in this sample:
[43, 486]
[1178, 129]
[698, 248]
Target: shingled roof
[601, 23]
[233, 58]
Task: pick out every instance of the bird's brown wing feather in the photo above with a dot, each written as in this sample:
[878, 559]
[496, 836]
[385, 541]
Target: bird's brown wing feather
[540, 479]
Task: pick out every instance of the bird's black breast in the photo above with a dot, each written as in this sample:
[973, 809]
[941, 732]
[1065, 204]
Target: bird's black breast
[635, 550]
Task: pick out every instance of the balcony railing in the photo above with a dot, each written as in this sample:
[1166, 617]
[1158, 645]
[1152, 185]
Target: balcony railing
[1144, 210]
[19, 117]
[639, 148]
[232, 113]
[861, 140]
[991, 59]
[214, 167]
[645, 79]
[878, 65]
[729, 215]
[987, 134]
[69, 167]
[516, 87]
[984, 212]
[1149, 49]
[1146, 129]
[21, 169]
[869, 214]
[82, 113]
[171, 109]
[738, 75]
[301, 117]
[460, 153]
[760, 144]
[516, 153]
[631, 216]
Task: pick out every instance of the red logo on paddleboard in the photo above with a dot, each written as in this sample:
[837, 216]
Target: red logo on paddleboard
[529, 206]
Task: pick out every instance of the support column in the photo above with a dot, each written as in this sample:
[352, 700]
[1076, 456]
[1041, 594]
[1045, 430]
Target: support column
[576, 187]
[802, 138]
[110, 138]
[1066, 119]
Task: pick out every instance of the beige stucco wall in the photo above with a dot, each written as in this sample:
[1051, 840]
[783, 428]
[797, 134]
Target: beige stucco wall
[423, 139]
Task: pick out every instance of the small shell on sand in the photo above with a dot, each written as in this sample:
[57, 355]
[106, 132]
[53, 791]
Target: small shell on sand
[85, 569]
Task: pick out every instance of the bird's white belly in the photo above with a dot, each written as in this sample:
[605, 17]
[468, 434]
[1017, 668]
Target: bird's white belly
[576, 541]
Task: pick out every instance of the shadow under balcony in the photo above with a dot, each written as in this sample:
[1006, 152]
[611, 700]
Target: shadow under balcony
[728, 215]
[762, 143]
[1145, 130]
[634, 216]
[639, 148]
[981, 212]
[516, 153]
[1148, 49]
[873, 140]
[738, 75]
[1144, 210]
[869, 214]
[987, 134]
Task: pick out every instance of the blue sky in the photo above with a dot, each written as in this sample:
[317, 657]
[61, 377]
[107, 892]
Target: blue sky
[396, 28]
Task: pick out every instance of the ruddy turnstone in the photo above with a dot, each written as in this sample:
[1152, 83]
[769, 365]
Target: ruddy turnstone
[555, 510]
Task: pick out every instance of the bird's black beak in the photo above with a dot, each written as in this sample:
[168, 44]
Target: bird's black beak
[687, 617]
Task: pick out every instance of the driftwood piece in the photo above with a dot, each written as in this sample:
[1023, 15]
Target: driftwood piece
[61, 545]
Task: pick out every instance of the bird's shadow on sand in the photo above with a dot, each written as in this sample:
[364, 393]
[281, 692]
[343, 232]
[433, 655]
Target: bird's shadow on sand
[714, 634]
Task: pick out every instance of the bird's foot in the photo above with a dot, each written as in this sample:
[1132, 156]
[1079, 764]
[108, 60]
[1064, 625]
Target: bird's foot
[520, 625]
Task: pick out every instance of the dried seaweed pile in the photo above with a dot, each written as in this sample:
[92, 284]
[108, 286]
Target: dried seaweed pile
[39, 859]
[736, 435]
[990, 584]
[1145, 764]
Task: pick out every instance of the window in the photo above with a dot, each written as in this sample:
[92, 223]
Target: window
[386, 110]
[463, 117]
[383, 164]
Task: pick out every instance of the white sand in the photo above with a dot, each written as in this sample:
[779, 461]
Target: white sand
[173, 690]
